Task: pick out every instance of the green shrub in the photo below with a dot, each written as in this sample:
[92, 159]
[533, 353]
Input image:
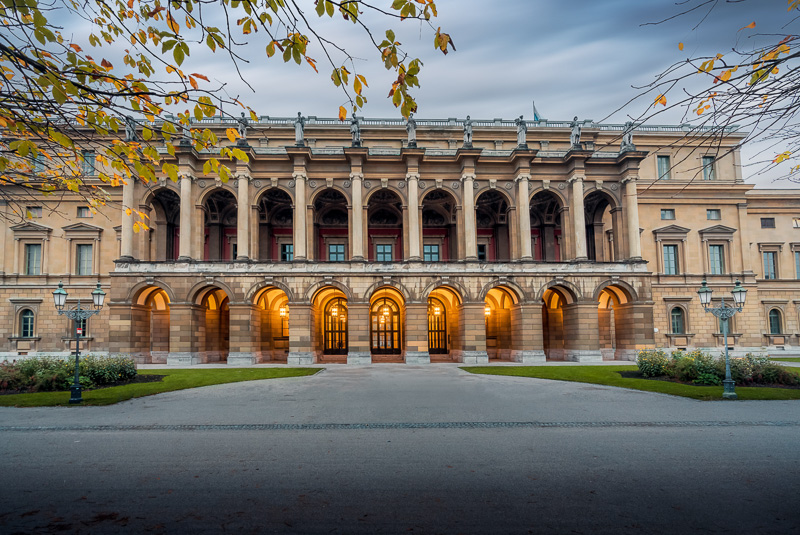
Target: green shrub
[51, 373]
[652, 362]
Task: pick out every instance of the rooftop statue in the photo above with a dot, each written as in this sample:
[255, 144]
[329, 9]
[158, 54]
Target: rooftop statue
[468, 132]
[299, 128]
[575, 136]
[522, 131]
[411, 128]
[627, 138]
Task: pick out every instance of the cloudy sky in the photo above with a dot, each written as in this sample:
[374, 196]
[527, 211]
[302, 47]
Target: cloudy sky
[575, 57]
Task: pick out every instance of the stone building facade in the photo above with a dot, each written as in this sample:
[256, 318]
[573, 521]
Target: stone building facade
[444, 240]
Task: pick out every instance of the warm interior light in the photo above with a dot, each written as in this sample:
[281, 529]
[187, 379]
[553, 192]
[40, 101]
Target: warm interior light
[282, 311]
[437, 311]
[386, 311]
[382, 320]
[487, 310]
[334, 311]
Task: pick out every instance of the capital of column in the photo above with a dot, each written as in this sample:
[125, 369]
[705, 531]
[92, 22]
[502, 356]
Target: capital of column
[186, 175]
[467, 176]
[522, 177]
[356, 176]
[412, 176]
[299, 175]
[576, 178]
[632, 178]
[243, 176]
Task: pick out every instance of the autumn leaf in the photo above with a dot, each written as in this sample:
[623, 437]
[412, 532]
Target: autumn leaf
[680, 46]
[751, 25]
[232, 134]
[174, 26]
[661, 99]
[342, 113]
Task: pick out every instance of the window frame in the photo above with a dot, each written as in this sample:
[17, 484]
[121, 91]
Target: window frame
[25, 314]
[713, 211]
[89, 164]
[677, 264]
[770, 327]
[25, 258]
[666, 174]
[283, 255]
[667, 212]
[682, 314]
[83, 212]
[722, 258]
[709, 167]
[765, 222]
[79, 246]
[380, 252]
[426, 254]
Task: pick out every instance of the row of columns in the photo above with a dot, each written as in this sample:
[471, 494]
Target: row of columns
[300, 231]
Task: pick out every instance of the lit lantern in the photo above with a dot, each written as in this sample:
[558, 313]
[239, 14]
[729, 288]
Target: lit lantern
[282, 311]
[382, 320]
[437, 311]
[386, 310]
[334, 311]
[487, 310]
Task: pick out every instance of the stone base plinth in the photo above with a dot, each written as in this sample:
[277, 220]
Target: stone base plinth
[529, 357]
[182, 359]
[474, 357]
[583, 355]
[417, 357]
[626, 354]
[300, 358]
[241, 359]
[360, 358]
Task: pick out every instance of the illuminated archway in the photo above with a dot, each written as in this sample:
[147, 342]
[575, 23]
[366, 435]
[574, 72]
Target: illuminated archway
[499, 322]
[385, 327]
[273, 305]
[335, 339]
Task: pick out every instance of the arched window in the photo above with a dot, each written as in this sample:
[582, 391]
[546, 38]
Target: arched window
[677, 321]
[335, 332]
[775, 321]
[437, 327]
[385, 327]
[26, 323]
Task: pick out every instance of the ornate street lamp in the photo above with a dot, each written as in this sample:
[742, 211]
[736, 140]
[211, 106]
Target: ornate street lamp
[78, 314]
[724, 313]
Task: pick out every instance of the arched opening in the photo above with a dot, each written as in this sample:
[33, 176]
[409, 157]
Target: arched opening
[439, 239]
[491, 217]
[775, 322]
[444, 343]
[385, 227]
[331, 226]
[150, 315]
[275, 217]
[164, 234]
[614, 321]
[215, 344]
[274, 312]
[600, 227]
[26, 323]
[385, 325]
[546, 227]
[335, 333]
[220, 226]
[499, 323]
[553, 301]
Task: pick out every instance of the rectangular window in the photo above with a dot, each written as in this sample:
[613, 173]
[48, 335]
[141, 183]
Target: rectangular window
[716, 259]
[796, 222]
[33, 259]
[668, 214]
[430, 253]
[797, 264]
[38, 163]
[83, 256]
[383, 253]
[663, 167]
[770, 264]
[33, 212]
[336, 252]
[767, 222]
[83, 211]
[708, 168]
[482, 253]
[88, 162]
[287, 252]
[670, 260]
[82, 325]
[26, 324]
[713, 214]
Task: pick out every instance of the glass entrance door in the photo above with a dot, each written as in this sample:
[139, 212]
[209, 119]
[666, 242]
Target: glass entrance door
[437, 327]
[335, 331]
[385, 327]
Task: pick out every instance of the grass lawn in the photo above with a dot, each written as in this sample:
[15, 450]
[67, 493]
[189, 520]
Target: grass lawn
[787, 359]
[174, 380]
[611, 376]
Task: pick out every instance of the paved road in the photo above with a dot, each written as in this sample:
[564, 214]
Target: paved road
[391, 449]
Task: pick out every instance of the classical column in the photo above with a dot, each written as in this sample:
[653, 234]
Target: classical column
[416, 326]
[472, 333]
[185, 245]
[301, 335]
[244, 334]
[470, 230]
[578, 218]
[357, 211]
[243, 218]
[524, 217]
[358, 344]
[413, 217]
[299, 216]
[632, 209]
[127, 220]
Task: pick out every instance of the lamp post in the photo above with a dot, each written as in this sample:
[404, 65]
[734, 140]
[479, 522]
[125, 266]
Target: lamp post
[78, 314]
[724, 313]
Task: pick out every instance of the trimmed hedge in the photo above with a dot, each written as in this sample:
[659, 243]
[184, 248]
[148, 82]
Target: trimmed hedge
[701, 368]
[45, 374]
